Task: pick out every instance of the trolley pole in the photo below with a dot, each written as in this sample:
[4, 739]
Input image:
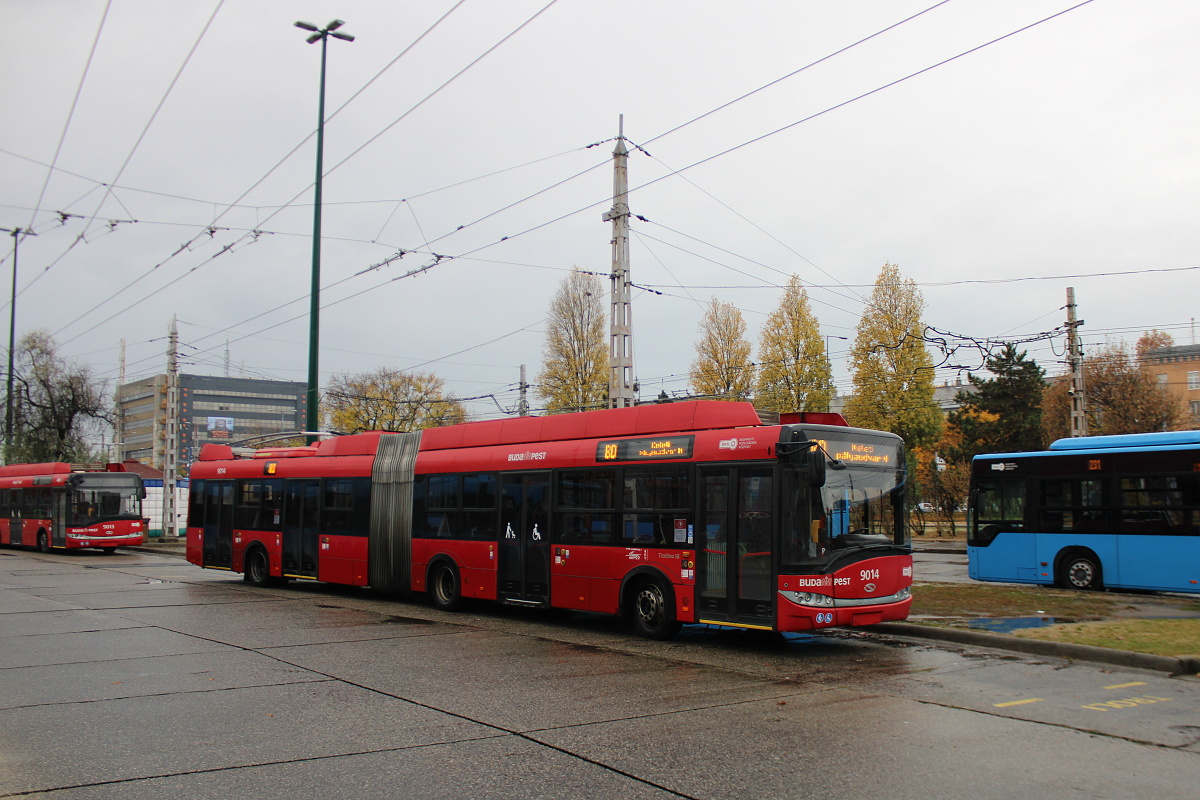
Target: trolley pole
[1079, 424]
[620, 379]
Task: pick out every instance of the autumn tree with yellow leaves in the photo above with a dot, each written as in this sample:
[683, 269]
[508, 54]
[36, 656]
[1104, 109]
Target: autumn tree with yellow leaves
[389, 400]
[722, 369]
[793, 372]
[574, 374]
[892, 371]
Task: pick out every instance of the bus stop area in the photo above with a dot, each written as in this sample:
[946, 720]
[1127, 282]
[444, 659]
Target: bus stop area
[139, 676]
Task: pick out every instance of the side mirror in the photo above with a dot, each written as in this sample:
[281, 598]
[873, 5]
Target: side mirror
[808, 456]
[814, 467]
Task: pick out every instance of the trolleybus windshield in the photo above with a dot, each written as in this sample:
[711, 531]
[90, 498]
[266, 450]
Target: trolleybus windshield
[104, 496]
[858, 504]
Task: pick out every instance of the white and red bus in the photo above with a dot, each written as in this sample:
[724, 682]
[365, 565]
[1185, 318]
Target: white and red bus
[691, 512]
[56, 505]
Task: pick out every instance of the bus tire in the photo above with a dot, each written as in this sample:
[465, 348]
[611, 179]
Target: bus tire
[258, 569]
[445, 588]
[653, 609]
[43, 542]
[108, 551]
[1080, 570]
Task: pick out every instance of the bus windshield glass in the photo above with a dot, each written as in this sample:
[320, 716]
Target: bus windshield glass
[859, 505]
[105, 496]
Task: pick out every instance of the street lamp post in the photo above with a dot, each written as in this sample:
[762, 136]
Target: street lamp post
[321, 35]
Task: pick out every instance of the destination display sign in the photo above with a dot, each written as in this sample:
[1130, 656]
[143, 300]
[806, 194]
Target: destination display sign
[653, 449]
[865, 450]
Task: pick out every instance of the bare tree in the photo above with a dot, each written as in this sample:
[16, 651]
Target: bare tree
[59, 408]
[574, 374]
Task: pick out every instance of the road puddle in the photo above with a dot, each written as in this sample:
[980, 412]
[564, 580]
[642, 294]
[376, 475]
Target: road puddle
[1010, 624]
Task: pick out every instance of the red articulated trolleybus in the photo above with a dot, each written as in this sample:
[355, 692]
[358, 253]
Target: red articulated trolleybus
[689, 512]
[58, 505]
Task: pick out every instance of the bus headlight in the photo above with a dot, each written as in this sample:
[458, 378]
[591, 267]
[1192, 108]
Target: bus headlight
[814, 599]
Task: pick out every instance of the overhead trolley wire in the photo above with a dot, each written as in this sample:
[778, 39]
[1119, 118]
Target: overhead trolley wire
[757, 139]
[269, 172]
[141, 136]
[340, 163]
[71, 113]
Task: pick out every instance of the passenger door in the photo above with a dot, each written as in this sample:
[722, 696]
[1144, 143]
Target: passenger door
[218, 524]
[301, 528]
[524, 554]
[735, 546]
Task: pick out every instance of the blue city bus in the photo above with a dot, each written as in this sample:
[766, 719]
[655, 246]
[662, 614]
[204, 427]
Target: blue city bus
[1094, 512]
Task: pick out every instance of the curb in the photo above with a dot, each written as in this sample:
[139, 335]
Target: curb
[1077, 652]
[162, 550]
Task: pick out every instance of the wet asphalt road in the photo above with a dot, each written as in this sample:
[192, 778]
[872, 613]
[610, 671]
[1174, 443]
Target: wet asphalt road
[141, 676]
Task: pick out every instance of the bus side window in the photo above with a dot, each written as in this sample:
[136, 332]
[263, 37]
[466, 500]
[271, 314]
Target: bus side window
[586, 510]
[997, 505]
[195, 504]
[478, 517]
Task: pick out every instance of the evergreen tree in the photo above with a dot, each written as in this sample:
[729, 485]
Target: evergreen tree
[722, 369]
[1005, 414]
[794, 372]
[575, 364]
[891, 370]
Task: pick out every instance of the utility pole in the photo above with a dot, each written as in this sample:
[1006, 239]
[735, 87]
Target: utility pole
[620, 378]
[119, 410]
[17, 233]
[1079, 425]
[170, 461]
[523, 403]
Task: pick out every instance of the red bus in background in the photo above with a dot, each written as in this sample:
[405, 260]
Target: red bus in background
[57, 505]
[691, 512]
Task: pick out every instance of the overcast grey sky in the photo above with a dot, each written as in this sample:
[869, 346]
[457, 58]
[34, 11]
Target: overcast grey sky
[1062, 155]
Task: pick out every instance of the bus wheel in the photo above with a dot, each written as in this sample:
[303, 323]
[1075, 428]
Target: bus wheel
[1080, 571]
[653, 612]
[444, 587]
[108, 551]
[43, 542]
[258, 568]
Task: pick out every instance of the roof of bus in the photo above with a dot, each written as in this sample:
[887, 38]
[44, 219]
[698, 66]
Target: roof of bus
[1128, 440]
[56, 468]
[1100, 444]
[646, 420]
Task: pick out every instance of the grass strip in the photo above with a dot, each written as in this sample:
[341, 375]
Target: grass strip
[1161, 637]
[969, 601]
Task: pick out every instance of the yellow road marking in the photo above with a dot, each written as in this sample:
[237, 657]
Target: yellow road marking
[735, 625]
[1125, 685]
[1017, 702]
